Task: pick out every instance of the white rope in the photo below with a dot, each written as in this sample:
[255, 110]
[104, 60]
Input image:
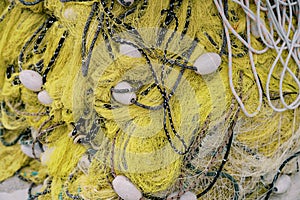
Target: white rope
[281, 35]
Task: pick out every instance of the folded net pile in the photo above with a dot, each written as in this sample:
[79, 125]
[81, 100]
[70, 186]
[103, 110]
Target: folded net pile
[179, 99]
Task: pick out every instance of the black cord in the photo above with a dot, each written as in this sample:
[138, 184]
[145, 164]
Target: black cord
[30, 3]
[271, 186]
[228, 146]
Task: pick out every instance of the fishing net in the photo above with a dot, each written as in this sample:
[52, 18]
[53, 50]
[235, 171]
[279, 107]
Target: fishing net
[229, 134]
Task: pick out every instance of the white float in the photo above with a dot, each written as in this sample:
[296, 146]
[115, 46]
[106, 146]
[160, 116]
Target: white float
[207, 63]
[125, 189]
[27, 149]
[282, 184]
[123, 98]
[31, 80]
[45, 157]
[186, 196]
[44, 97]
[129, 50]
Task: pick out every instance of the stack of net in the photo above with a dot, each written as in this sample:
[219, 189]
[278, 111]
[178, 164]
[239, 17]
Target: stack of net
[228, 135]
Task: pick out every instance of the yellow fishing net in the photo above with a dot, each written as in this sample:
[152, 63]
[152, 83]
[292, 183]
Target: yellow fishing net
[216, 151]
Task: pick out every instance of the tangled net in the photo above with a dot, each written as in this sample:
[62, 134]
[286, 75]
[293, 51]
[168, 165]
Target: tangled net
[230, 134]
